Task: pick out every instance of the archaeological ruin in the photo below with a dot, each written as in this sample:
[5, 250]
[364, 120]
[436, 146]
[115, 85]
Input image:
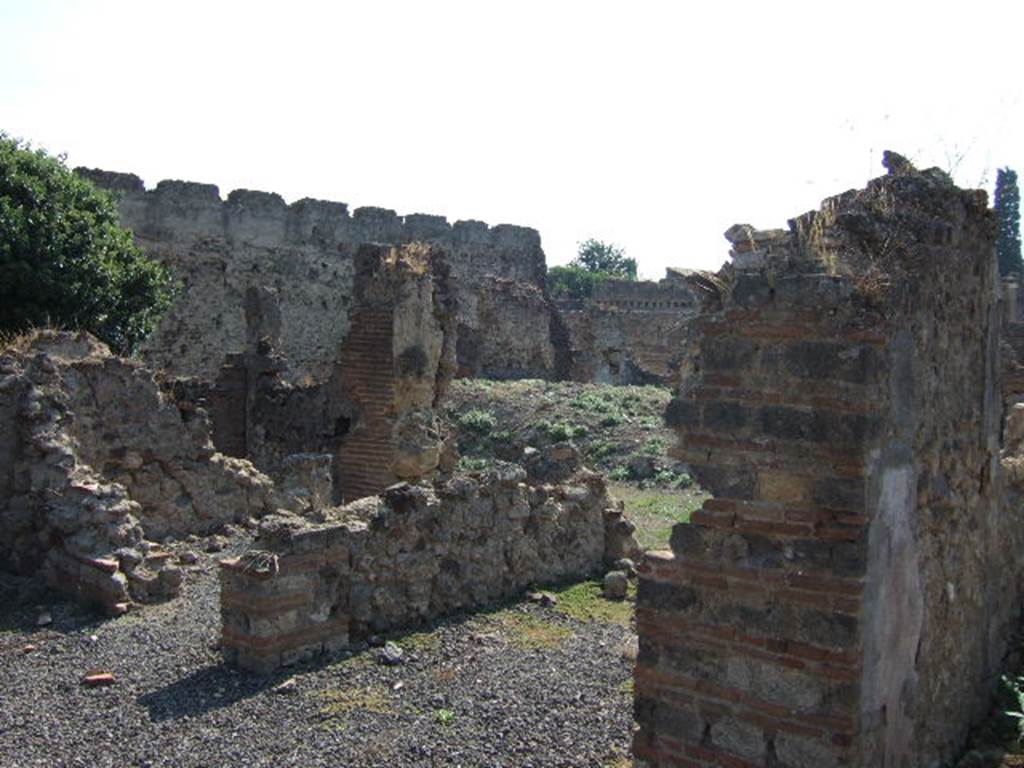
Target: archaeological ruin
[849, 390]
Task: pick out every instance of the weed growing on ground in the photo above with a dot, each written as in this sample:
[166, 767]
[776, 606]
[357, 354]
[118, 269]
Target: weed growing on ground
[592, 402]
[654, 446]
[619, 474]
[469, 464]
[444, 717]
[479, 421]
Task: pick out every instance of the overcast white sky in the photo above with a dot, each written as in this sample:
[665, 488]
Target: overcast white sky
[654, 125]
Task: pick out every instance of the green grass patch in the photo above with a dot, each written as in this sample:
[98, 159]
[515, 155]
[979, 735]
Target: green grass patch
[655, 511]
[585, 602]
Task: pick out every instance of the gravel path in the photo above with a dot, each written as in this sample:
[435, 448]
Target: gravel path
[521, 686]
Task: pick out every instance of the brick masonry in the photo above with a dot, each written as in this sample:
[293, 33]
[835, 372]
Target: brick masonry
[846, 595]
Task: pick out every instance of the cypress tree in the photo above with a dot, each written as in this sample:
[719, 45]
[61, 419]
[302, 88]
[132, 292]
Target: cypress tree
[1007, 208]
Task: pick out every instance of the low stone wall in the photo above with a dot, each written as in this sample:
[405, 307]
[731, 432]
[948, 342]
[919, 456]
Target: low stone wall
[406, 556]
[847, 595]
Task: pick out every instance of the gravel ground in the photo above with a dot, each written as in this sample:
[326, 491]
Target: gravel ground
[522, 685]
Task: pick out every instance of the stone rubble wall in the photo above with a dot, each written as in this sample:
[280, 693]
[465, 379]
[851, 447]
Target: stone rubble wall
[97, 460]
[303, 252]
[409, 555]
[846, 596]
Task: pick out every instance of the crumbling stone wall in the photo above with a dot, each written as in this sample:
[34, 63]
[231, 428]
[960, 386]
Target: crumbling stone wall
[846, 596]
[220, 249]
[96, 459]
[411, 554]
[515, 336]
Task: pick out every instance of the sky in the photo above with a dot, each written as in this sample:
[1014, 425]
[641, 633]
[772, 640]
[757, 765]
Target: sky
[651, 125]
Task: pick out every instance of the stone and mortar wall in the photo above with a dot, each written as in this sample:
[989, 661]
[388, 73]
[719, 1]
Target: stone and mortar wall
[413, 553]
[629, 332]
[220, 249]
[95, 459]
[846, 596]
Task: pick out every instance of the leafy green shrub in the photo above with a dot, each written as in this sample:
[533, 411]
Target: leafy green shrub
[476, 420]
[559, 431]
[64, 259]
[502, 436]
[670, 479]
[562, 431]
[573, 282]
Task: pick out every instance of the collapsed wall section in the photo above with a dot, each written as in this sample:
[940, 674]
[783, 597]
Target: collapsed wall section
[846, 595]
[408, 555]
[219, 249]
[95, 461]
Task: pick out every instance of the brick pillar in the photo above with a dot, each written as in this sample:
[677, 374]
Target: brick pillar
[393, 367]
[845, 596]
[367, 453]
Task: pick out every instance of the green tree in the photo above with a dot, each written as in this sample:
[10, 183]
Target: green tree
[605, 258]
[1007, 208]
[64, 260]
[595, 262]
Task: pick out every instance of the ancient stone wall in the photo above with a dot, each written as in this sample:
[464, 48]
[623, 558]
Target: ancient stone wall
[846, 596]
[96, 459]
[303, 252]
[413, 553]
[629, 332]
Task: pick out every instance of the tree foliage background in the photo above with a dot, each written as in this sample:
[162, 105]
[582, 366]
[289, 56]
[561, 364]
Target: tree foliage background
[595, 262]
[1007, 208]
[64, 259]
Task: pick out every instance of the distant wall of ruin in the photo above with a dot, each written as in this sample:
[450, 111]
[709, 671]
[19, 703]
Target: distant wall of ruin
[302, 253]
[411, 554]
[629, 332]
[847, 595]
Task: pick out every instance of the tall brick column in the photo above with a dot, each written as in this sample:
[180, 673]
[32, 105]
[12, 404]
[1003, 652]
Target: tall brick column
[394, 366]
[845, 596]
